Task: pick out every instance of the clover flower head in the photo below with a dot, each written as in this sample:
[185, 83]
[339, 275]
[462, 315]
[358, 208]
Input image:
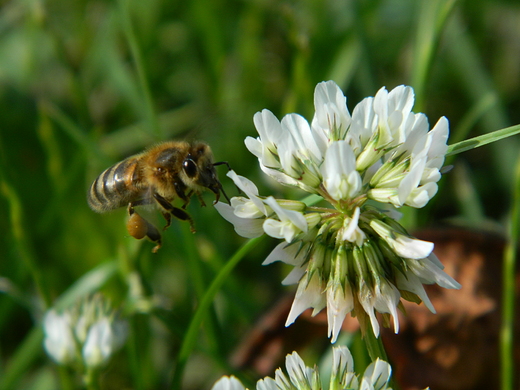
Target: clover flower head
[298, 376]
[86, 334]
[352, 257]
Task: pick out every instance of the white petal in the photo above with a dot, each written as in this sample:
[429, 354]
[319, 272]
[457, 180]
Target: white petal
[228, 383]
[364, 122]
[385, 195]
[305, 144]
[255, 146]
[59, 341]
[265, 147]
[308, 295]
[280, 177]
[289, 254]
[411, 283]
[387, 300]
[294, 276]
[411, 180]
[401, 98]
[366, 298]
[351, 231]
[342, 361]
[249, 188]
[340, 302]
[294, 217]
[298, 372]
[98, 345]
[377, 374]
[439, 135]
[246, 208]
[411, 248]
[404, 246]
[428, 272]
[421, 195]
[245, 227]
[280, 229]
[340, 178]
[266, 384]
[331, 108]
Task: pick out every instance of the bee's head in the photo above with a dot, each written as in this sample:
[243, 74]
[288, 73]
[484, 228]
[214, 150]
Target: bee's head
[199, 168]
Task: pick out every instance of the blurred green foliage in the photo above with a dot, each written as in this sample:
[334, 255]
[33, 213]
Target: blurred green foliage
[85, 83]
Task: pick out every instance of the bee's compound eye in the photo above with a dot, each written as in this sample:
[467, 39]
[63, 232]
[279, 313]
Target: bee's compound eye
[189, 167]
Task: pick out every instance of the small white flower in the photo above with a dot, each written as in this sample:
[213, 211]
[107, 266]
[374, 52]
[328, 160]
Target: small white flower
[245, 227]
[350, 231]
[404, 246]
[87, 334]
[429, 272]
[301, 377]
[340, 302]
[98, 344]
[228, 383]
[340, 178]
[376, 376]
[253, 207]
[289, 254]
[308, 295]
[290, 224]
[332, 118]
[343, 375]
[265, 146]
[59, 340]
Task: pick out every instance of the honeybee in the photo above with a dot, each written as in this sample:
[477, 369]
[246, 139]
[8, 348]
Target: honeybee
[160, 175]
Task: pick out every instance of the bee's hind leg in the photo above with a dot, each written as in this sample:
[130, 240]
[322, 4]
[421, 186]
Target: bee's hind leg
[175, 211]
[138, 227]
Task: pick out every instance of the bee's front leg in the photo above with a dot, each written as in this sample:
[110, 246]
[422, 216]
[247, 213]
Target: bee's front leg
[175, 211]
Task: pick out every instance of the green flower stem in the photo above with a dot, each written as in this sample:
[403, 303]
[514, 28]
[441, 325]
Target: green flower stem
[508, 289]
[91, 379]
[482, 140]
[374, 346]
[192, 335]
[199, 284]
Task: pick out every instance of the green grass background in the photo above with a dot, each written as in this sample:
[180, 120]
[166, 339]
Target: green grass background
[84, 84]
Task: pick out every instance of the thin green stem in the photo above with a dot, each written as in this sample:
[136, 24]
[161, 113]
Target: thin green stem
[199, 285]
[482, 140]
[191, 336]
[508, 289]
[374, 346]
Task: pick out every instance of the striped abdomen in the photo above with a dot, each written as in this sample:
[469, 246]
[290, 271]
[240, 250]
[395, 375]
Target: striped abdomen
[116, 187]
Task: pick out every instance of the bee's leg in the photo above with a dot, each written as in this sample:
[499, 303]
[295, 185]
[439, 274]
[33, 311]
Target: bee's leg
[168, 217]
[201, 201]
[180, 190]
[175, 211]
[138, 227]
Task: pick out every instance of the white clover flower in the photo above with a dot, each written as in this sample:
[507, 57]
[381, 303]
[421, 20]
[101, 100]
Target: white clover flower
[59, 340]
[352, 257]
[104, 337]
[86, 334]
[301, 377]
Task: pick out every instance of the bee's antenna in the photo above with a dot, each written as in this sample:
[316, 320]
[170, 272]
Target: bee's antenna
[220, 185]
[222, 163]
